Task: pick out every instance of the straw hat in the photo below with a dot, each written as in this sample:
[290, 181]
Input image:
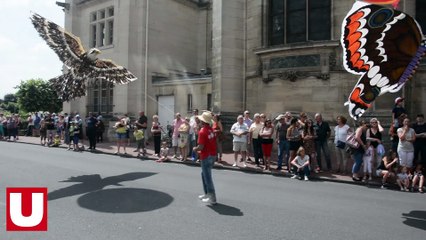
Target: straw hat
[206, 117]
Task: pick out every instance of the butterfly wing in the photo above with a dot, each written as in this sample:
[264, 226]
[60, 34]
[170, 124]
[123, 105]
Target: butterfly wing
[383, 46]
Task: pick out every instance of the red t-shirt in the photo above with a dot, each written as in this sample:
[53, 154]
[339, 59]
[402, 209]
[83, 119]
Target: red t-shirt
[207, 138]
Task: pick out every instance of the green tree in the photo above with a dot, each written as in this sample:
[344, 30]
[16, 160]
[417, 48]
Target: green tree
[37, 95]
[10, 97]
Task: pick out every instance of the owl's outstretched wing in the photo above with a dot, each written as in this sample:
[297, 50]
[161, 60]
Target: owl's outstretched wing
[67, 46]
[108, 70]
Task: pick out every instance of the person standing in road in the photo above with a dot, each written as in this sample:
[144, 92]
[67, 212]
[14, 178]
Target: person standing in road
[282, 142]
[239, 130]
[420, 143]
[143, 124]
[156, 129]
[255, 139]
[323, 131]
[248, 121]
[407, 137]
[207, 155]
[91, 131]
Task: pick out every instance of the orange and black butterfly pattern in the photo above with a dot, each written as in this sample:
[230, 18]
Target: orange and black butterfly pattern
[384, 46]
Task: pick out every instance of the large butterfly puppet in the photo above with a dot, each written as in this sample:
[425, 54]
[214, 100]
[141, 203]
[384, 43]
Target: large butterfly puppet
[384, 46]
[80, 65]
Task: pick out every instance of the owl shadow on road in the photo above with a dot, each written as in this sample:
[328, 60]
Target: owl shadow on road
[415, 219]
[112, 200]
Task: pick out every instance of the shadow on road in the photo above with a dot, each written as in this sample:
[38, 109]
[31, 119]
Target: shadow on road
[415, 219]
[223, 209]
[94, 182]
[124, 200]
[116, 200]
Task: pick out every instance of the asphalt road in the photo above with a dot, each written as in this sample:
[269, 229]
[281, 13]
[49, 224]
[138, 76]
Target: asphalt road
[95, 196]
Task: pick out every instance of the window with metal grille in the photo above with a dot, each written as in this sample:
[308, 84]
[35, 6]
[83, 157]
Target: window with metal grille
[293, 21]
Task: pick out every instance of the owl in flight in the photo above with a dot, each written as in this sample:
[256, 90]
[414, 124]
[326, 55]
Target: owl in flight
[80, 65]
[384, 46]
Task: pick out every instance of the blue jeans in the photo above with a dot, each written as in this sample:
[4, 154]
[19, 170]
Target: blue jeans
[322, 145]
[206, 174]
[304, 172]
[191, 144]
[283, 149]
[358, 161]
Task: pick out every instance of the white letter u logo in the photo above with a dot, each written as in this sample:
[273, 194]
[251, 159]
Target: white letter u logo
[36, 210]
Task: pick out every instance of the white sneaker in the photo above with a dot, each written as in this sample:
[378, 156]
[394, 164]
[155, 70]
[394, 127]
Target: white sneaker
[235, 164]
[209, 199]
[294, 177]
[201, 197]
[306, 178]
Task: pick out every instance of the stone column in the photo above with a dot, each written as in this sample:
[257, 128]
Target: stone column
[228, 53]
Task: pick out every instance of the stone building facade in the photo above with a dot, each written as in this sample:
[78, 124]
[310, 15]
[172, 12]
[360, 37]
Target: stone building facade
[268, 56]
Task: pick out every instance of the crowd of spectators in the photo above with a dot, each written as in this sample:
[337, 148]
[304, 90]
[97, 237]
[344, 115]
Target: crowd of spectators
[302, 143]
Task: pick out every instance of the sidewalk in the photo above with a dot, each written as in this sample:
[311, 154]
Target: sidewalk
[227, 161]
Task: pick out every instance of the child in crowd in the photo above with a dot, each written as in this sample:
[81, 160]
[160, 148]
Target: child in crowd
[43, 133]
[301, 164]
[74, 136]
[56, 141]
[140, 140]
[50, 139]
[368, 161]
[164, 152]
[71, 134]
[403, 179]
[418, 177]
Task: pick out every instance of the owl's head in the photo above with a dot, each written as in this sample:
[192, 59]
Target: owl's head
[93, 53]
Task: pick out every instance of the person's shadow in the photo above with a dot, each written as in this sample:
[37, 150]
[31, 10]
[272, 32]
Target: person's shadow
[415, 219]
[223, 209]
[112, 200]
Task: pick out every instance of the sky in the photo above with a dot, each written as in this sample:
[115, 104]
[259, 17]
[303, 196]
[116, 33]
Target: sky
[23, 53]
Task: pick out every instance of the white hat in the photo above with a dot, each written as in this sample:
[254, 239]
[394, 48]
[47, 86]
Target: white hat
[206, 117]
[398, 100]
[280, 117]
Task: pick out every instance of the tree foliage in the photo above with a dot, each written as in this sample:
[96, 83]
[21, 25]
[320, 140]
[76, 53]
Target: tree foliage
[10, 97]
[37, 95]
[9, 103]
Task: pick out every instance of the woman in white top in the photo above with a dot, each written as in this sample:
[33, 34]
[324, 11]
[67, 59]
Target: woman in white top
[406, 136]
[340, 134]
[301, 164]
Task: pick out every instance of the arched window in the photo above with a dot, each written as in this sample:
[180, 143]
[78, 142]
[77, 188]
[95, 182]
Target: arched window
[100, 96]
[292, 21]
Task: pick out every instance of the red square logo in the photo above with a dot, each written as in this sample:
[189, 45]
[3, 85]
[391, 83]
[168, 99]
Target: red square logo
[26, 209]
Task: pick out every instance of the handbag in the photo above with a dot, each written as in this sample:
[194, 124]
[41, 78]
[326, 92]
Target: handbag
[340, 144]
[351, 141]
[380, 150]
